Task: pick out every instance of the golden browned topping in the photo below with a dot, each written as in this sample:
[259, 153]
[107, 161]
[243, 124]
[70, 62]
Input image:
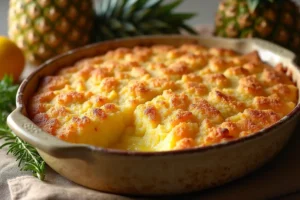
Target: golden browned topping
[162, 98]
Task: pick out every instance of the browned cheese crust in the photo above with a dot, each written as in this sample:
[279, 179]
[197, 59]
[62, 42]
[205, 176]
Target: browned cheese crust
[162, 98]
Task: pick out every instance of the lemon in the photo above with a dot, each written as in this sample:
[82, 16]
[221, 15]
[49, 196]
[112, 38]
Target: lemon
[12, 60]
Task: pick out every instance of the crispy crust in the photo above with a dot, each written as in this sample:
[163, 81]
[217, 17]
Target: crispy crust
[162, 97]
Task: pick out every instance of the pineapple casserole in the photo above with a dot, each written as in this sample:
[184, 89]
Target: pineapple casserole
[162, 97]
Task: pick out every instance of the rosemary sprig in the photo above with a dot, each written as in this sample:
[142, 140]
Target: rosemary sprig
[28, 157]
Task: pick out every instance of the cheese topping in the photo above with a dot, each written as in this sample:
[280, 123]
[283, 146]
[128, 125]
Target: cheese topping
[162, 98]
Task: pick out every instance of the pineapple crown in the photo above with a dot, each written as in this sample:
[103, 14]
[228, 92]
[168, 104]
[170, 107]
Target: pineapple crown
[123, 18]
[252, 4]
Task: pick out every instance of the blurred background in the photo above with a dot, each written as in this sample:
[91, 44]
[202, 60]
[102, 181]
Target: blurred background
[204, 8]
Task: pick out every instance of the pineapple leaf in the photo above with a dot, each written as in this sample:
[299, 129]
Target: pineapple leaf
[252, 4]
[169, 7]
[140, 4]
[147, 10]
[152, 3]
[142, 14]
[159, 23]
[123, 18]
[146, 26]
[113, 4]
[104, 5]
[188, 28]
[130, 27]
[107, 32]
[115, 24]
[119, 8]
[131, 6]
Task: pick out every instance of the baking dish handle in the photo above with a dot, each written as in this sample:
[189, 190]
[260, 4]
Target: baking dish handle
[29, 132]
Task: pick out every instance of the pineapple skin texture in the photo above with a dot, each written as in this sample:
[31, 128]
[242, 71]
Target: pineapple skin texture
[278, 22]
[46, 28]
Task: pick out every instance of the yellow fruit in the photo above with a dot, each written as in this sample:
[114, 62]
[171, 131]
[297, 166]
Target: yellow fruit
[12, 60]
[46, 28]
[274, 20]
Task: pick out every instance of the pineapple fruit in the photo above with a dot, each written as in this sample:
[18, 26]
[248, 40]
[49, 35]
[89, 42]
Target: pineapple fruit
[277, 21]
[46, 28]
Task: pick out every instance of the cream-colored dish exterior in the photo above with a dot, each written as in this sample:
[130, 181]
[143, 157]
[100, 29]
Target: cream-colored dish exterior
[155, 173]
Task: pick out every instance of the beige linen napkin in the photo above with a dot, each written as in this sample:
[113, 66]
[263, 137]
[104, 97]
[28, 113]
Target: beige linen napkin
[278, 178]
[8, 170]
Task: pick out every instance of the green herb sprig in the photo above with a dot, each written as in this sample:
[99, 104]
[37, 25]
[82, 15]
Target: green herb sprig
[28, 157]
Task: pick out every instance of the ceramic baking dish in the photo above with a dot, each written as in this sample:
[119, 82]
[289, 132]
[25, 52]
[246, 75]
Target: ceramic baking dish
[155, 173]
